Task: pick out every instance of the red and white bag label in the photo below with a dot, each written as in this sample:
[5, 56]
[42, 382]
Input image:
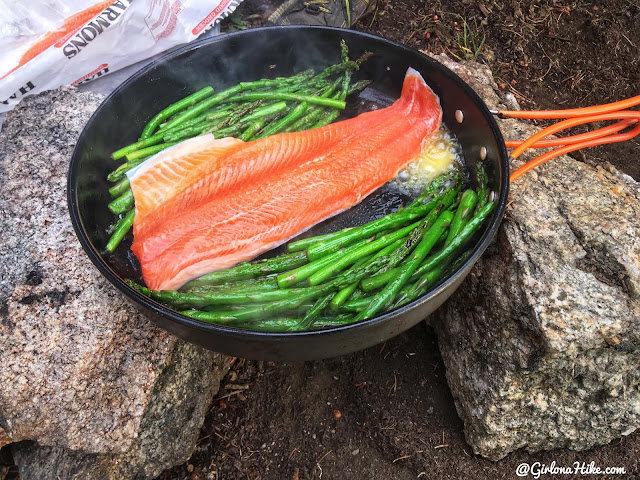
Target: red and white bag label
[163, 17]
[98, 72]
[97, 38]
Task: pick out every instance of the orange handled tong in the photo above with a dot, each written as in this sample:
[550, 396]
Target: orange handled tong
[628, 123]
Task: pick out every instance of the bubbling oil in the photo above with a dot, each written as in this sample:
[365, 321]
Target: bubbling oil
[440, 154]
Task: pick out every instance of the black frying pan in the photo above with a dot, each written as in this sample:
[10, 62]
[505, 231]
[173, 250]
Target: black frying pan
[250, 55]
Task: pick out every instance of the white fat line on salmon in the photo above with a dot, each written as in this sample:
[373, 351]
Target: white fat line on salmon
[158, 157]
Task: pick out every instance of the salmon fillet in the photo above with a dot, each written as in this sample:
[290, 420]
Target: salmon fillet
[208, 204]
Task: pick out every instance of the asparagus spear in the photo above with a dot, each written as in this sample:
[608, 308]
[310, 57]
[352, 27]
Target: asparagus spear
[265, 111]
[303, 272]
[121, 204]
[119, 173]
[120, 187]
[250, 284]
[252, 130]
[225, 95]
[305, 243]
[361, 249]
[217, 112]
[247, 270]
[251, 313]
[481, 175]
[121, 229]
[326, 102]
[437, 186]
[385, 223]
[295, 114]
[237, 297]
[389, 292]
[346, 292]
[291, 117]
[147, 152]
[350, 258]
[465, 209]
[314, 312]
[426, 281]
[316, 113]
[172, 109]
[465, 234]
[292, 324]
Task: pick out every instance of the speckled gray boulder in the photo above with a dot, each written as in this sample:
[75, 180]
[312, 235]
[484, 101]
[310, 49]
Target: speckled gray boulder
[81, 370]
[542, 341]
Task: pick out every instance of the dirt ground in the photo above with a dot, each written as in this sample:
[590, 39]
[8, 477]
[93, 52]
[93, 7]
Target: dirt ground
[387, 412]
[381, 414]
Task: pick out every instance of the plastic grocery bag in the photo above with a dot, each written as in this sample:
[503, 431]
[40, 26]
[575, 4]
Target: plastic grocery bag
[50, 43]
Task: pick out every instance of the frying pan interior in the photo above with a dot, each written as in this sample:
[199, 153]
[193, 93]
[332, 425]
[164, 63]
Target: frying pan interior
[269, 52]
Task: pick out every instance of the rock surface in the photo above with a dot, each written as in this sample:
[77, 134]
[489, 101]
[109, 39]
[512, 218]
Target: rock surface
[81, 370]
[542, 341]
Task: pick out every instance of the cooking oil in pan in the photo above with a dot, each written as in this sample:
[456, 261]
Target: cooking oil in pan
[440, 154]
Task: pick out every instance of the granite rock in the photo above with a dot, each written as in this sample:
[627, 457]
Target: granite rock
[167, 436]
[82, 373]
[542, 341]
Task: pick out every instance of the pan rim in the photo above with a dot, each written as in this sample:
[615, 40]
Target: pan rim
[224, 330]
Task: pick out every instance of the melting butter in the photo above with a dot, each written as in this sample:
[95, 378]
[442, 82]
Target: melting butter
[438, 155]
